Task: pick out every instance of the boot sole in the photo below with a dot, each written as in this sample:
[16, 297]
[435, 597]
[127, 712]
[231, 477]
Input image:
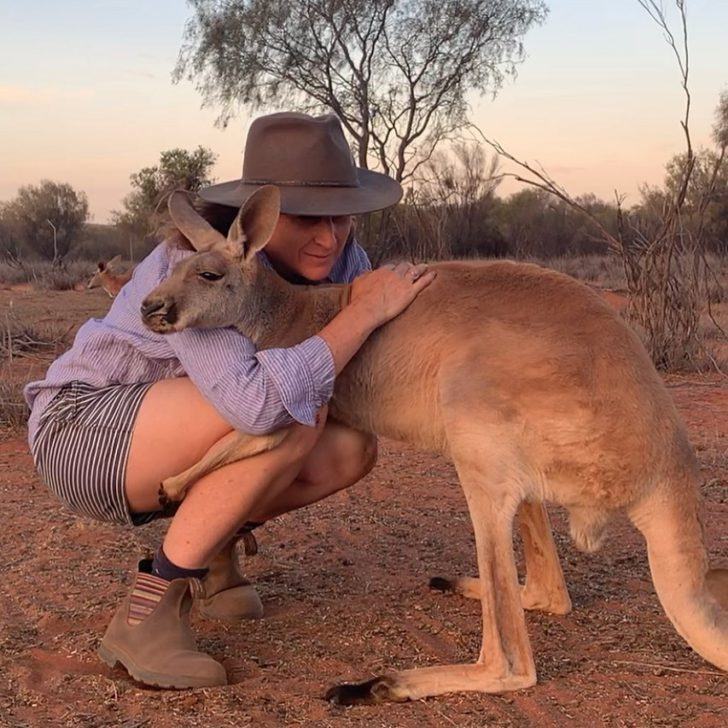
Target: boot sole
[112, 657]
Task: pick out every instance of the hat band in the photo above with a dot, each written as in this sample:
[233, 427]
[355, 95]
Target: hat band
[298, 183]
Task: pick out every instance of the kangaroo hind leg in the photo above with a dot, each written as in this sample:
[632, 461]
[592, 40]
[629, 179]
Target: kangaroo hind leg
[545, 587]
[505, 661]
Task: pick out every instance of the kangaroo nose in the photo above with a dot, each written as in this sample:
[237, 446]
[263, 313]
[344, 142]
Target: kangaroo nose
[150, 306]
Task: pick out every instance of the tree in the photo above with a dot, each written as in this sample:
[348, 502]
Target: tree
[664, 261]
[706, 196]
[396, 72]
[177, 168]
[45, 219]
[10, 243]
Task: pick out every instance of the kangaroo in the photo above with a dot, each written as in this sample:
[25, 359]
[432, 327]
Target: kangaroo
[534, 387]
[112, 283]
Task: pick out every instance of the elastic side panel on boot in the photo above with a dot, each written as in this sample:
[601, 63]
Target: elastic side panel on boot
[148, 592]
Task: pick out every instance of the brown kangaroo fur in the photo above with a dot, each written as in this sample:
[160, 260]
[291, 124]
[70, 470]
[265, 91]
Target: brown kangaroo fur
[112, 283]
[529, 382]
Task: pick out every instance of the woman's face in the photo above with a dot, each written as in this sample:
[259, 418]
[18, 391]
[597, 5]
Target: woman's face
[308, 246]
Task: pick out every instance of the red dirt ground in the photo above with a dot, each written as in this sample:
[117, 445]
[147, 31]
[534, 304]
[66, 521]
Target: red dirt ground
[345, 588]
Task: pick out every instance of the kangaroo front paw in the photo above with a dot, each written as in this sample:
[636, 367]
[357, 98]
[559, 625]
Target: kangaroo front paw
[171, 490]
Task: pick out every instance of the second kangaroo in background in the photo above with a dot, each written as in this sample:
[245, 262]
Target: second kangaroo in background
[105, 278]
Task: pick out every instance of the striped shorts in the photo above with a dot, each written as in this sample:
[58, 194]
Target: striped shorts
[82, 445]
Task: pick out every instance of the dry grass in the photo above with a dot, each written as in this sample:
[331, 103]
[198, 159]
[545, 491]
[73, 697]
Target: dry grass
[13, 409]
[27, 346]
[21, 337]
[605, 271]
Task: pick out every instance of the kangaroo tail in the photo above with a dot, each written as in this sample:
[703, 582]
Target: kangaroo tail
[694, 598]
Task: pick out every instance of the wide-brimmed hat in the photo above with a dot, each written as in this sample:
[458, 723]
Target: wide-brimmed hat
[308, 159]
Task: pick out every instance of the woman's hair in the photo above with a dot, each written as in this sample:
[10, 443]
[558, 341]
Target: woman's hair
[219, 216]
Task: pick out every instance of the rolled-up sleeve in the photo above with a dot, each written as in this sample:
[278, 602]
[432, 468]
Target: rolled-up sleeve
[256, 391]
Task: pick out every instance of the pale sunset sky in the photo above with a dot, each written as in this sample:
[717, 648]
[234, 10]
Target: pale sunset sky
[86, 95]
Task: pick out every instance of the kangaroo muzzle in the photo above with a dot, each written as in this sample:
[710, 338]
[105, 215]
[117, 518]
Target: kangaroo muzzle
[159, 314]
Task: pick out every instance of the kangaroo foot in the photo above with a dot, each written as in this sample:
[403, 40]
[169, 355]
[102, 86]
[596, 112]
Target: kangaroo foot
[553, 601]
[399, 687]
[533, 597]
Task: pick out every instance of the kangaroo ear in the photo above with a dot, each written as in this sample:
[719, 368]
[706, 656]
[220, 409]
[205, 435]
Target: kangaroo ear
[116, 259]
[190, 223]
[255, 222]
[101, 265]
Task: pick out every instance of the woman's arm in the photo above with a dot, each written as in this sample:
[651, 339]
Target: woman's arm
[256, 391]
[260, 391]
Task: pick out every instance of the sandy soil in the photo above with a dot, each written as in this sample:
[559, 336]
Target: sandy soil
[345, 588]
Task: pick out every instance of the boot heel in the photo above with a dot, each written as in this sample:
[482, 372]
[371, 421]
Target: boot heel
[107, 656]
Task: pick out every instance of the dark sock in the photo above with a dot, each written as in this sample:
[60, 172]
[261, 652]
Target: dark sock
[166, 569]
[249, 527]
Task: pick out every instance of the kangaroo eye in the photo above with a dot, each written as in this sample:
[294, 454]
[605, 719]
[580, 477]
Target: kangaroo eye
[208, 275]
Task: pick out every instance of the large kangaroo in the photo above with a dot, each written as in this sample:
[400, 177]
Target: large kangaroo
[529, 382]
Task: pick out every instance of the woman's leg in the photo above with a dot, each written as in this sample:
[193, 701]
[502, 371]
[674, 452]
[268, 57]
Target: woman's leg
[149, 633]
[340, 458]
[176, 426]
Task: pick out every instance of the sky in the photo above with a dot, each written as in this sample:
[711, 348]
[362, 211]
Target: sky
[86, 95]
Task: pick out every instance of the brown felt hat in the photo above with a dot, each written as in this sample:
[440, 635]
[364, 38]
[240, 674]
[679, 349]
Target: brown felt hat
[308, 159]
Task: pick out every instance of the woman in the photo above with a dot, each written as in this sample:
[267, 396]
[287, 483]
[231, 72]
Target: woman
[125, 408]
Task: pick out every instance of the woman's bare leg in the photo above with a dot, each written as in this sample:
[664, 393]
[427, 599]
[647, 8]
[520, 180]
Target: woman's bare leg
[174, 429]
[340, 458]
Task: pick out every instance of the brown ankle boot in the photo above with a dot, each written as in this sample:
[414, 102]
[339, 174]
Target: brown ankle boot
[151, 637]
[226, 593]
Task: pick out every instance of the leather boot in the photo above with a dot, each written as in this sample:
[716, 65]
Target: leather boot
[226, 594]
[150, 635]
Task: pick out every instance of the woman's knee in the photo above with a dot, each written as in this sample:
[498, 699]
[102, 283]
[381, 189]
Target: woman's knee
[365, 456]
[343, 457]
[302, 439]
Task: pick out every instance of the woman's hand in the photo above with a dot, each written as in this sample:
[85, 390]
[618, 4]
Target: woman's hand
[376, 297]
[386, 292]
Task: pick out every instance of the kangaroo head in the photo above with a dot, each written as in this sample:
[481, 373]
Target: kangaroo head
[103, 272]
[97, 278]
[213, 286]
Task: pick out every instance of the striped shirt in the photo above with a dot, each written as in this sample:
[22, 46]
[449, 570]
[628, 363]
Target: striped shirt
[255, 391]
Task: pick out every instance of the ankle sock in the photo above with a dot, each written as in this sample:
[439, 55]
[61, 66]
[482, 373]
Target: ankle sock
[168, 570]
[249, 527]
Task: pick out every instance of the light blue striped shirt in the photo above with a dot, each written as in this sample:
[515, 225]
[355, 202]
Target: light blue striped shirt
[255, 391]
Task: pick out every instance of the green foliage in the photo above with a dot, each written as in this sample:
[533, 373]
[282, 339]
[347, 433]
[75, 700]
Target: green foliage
[44, 219]
[398, 73]
[537, 224]
[177, 168]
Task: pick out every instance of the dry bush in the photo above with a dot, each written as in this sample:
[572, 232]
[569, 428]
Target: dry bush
[664, 254]
[46, 276]
[64, 277]
[605, 271]
[451, 212]
[35, 343]
[11, 274]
